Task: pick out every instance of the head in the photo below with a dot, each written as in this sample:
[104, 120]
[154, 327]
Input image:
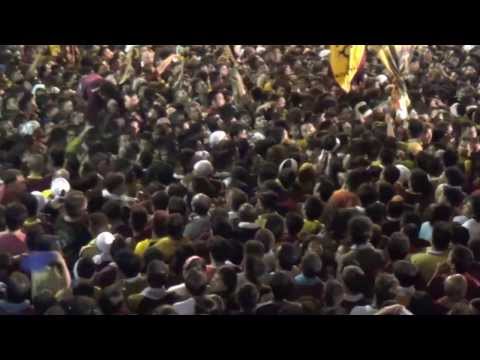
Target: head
[475, 206]
[360, 229]
[196, 282]
[157, 274]
[455, 287]
[282, 286]
[115, 183]
[128, 263]
[224, 280]
[311, 265]
[18, 288]
[354, 279]
[294, 223]
[138, 219]
[461, 259]
[287, 256]
[98, 223]
[254, 248]
[201, 204]
[85, 268]
[391, 174]
[386, 286]
[160, 224]
[43, 301]
[75, 204]
[219, 249]
[313, 208]
[247, 213]
[248, 297]
[398, 246]
[405, 272]
[15, 215]
[276, 225]
[442, 235]
[236, 199]
[14, 181]
[265, 237]
[334, 293]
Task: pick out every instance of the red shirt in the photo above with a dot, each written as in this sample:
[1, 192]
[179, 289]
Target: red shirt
[13, 243]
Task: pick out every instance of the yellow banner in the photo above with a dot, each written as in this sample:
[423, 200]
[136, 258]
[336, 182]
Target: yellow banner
[345, 61]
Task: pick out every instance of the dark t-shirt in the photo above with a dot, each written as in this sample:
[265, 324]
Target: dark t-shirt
[73, 236]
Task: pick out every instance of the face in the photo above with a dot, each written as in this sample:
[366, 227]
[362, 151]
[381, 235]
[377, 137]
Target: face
[219, 100]
[68, 107]
[108, 54]
[281, 103]
[224, 70]
[20, 185]
[216, 284]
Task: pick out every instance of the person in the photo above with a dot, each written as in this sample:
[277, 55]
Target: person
[224, 284]
[362, 253]
[282, 288]
[455, 287]
[247, 297]
[71, 227]
[437, 253]
[18, 296]
[196, 284]
[386, 286]
[354, 282]
[473, 225]
[155, 294]
[334, 293]
[200, 224]
[13, 240]
[308, 282]
[398, 248]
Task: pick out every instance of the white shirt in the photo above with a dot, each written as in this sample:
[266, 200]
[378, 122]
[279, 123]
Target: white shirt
[363, 310]
[473, 228]
[186, 307]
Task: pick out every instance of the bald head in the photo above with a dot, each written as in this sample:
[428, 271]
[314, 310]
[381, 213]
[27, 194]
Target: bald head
[455, 287]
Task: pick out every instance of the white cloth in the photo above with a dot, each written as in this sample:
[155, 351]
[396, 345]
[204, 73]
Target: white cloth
[186, 307]
[473, 228]
[363, 310]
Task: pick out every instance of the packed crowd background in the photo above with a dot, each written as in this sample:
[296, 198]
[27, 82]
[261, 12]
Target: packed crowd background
[194, 180]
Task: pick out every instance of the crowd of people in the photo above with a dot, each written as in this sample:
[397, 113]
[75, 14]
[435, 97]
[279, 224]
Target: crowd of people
[239, 180]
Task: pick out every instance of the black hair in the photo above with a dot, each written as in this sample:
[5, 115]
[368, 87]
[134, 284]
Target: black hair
[219, 249]
[276, 225]
[450, 158]
[360, 229]
[475, 203]
[391, 174]
[152, 253]
[18, 288]
[376, 212]
[354, 279]
[247, 297]
[282, 286]
[157, 273]
[311, 265]
[30, 203]
[294, 223]
[128, 263]
[43, 301]
[368, 194]
[313, 208]
[416, 128]
[385, 288]
[288, 256]
[15, 215]
[442, 235]
[462, 258]
[177, 205]
[441, 212]
[229, 277]
[405, 272]
[268, 171]
[454, 176]
[138, 218]
[398, 246]
[387, 156]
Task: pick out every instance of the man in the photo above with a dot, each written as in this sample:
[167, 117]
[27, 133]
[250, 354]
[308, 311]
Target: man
[14, 186]
[72, 227]
[196, 284]
[282, 286]
[308, 283]
[398, 247]
[362, 253]
[354, 282]
[386, 286]
[473, 225]
[12, 241]
[200, 224]
[18, 295]
[436, 254]
[155, 294]
[455, 288]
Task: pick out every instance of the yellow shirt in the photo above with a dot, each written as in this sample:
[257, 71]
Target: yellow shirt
[427, 262]
[143, 245]
[312, 226]
[167, 246]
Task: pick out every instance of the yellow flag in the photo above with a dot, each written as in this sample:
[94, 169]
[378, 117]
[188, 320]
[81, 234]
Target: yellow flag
[345, 61]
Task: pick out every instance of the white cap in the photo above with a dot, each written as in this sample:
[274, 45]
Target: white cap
[454, 109]
[37, 87]
[60, 187]
[41, 201]
[291, 163]
[216, 137]
[324, 53]
[29, 127]
[382, 79]
[201, 155]
[257, 136]
[104, 241]
[467, 48]
[203, 168]
[404, 173]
